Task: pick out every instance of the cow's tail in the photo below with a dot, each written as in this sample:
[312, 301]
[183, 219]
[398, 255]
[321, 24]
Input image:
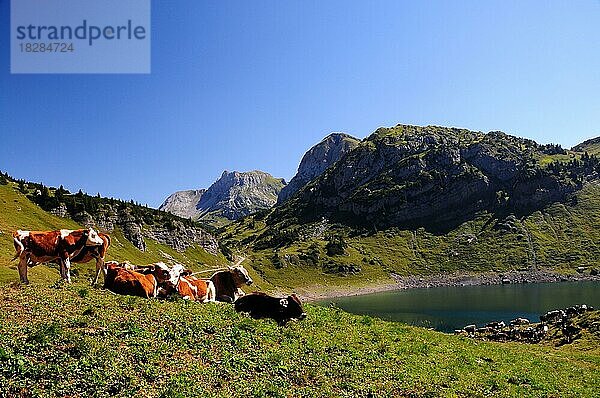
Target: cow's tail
[19, 248]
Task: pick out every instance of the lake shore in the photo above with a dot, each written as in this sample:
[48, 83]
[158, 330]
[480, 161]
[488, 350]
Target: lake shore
[317, 293]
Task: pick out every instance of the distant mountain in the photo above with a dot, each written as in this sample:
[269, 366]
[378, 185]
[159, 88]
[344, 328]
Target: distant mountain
[317, 160]
[234, 195]
[591, 146]
[183, 203]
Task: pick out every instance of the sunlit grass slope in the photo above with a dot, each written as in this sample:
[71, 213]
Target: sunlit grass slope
[18, 212]
[560, 237]
[79, 341]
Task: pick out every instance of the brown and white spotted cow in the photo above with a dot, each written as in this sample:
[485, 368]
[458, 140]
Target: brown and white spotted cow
[144, 281]
[228, 283]
[191, 288]
[121, 279]
[35, 247]
[94, 252]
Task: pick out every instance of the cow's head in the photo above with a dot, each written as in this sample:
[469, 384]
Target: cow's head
[240, 275]
[165, 275]
[93, 239]
[293, 307]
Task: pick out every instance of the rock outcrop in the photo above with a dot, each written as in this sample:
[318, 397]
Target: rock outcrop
[177, 233]
[183, 203]
[317, 160]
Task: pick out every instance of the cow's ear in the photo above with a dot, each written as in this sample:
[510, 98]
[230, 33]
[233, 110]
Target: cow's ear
[283, 302]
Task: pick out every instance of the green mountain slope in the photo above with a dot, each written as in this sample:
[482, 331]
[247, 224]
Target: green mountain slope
[591, 146]
[436, 178]
[428, 200]
[560, 237]
[18, 212]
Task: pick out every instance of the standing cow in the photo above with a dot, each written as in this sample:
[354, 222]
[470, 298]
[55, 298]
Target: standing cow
[94, 252]
[34, 247]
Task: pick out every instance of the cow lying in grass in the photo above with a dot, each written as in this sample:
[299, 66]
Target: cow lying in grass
[140, 281]
[260, 305]
[191, 288]
[228, 283]
[157, 280]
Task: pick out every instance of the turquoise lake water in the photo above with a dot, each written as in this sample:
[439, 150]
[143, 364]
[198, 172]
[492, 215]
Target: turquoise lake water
[449, 308]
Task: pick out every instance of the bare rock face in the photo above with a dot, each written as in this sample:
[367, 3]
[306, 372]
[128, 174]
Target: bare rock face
[234, 195]
[180, 237]
[183, 203]
[178, 234]
[60, 211]
[317, 160]
[237, 194]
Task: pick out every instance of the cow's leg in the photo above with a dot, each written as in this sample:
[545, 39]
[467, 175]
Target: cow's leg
[99, 267]
[23, 268]
[211, 295]
[65, 268]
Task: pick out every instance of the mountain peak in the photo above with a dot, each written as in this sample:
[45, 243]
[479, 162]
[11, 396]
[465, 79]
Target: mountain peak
[235, 194]
[317, 159]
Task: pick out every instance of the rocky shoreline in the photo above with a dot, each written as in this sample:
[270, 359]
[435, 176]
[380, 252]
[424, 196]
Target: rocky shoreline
[457, 279]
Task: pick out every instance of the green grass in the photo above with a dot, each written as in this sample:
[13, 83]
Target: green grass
[78, 341]
[18, 212]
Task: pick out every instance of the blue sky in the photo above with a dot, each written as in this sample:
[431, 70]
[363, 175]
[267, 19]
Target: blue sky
[242, 85]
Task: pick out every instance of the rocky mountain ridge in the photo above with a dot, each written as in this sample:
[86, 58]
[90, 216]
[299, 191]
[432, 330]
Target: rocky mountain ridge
[178, 234]
[316, 160]
[436, 177]
[183, 203]
[135, 221]
[234, 195]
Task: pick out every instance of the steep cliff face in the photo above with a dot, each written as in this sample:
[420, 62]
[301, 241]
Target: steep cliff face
[183, 203]
[432, 177]
[317, 160]
[176, 233]
[237, 194]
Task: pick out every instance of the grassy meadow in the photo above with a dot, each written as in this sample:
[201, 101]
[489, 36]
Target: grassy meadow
[77, 341]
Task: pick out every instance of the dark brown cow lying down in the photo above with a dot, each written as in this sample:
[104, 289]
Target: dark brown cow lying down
[260, 305]
[35, 247]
